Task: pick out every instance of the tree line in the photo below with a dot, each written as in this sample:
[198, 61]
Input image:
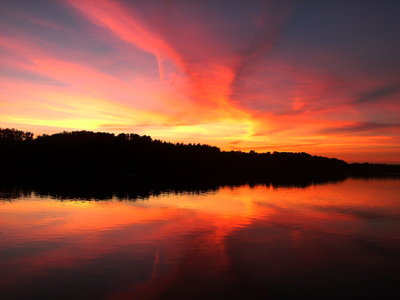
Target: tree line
[87, 153]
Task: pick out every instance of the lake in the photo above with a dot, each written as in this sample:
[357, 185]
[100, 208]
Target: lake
[327, 241]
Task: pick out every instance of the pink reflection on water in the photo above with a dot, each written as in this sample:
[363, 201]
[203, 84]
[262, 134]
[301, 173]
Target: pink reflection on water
[174, 244]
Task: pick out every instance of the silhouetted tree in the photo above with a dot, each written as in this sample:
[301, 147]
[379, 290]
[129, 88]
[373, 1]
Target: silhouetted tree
[84, 153]
[14, 135]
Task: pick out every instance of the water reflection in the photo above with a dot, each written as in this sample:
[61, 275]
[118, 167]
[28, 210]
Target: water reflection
[332, 241]
[131, 188]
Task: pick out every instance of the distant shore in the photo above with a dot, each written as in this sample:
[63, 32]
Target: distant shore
[131, 157]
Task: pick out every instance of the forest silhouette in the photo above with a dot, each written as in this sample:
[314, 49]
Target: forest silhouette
[88, 155]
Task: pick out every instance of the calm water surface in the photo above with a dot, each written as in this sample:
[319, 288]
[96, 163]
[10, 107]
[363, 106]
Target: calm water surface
[332, 241]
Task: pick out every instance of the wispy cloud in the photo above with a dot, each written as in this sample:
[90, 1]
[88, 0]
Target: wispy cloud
[361, 127]
[379, 94]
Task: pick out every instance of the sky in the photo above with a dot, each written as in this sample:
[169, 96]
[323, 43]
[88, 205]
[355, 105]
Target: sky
[313, 76]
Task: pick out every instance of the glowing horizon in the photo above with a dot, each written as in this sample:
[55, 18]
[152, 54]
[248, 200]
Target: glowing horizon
[272, 76]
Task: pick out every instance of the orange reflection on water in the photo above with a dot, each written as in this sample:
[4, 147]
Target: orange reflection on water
[166, 239]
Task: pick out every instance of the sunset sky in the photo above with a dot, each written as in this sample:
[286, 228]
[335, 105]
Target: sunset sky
[318, 76]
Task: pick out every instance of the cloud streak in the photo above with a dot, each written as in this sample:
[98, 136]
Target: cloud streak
[379, 94]
[362, 127]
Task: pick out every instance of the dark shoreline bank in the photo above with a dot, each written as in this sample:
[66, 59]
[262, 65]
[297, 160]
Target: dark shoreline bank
[104, 163]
